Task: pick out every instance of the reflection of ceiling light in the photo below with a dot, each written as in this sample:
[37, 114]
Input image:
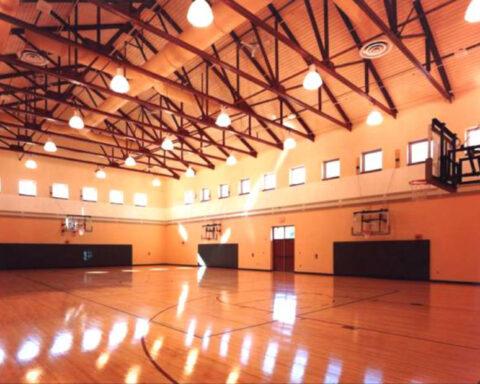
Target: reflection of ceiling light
[31, 164]
[76, 121]
[200, 14]
[223, 119]
[119, 82]
[100, 174]
[190, 172]
[289, 143]
[130, 161]
[312, 80]
[374, 118]
[50, 146]
[472, 15]
[231, 160]
[156, 183]
[167, 144]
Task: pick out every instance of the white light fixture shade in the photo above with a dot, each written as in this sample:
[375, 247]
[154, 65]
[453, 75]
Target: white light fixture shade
[76, 121]
[156, 182]
[190, 172]
[167, 144]
[374, 118]
[223, 119]
[200, 14]
[231, 160]
[472, 15]
[130, 161]
[100, 174]
[119, 82]
[289, 144]
[31, 164]
[50, 146]
[312, 80]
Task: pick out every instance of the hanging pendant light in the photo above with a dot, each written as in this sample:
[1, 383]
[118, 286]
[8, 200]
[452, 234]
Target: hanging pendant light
[190, 172]
[100, 174]
[76, 121]
[200, 14]
[31, 164]
[312, 80]
[167, 144]
[223, 118]
[374, 118]
[50, 146]
[119, 82]
[472, 15]
[289, 144]
[231, 160]
[130, 161]
[156, 182]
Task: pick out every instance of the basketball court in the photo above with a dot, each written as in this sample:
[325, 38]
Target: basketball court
[230, 191]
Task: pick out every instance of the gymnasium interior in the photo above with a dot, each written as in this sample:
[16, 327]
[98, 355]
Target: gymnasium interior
[239, 191]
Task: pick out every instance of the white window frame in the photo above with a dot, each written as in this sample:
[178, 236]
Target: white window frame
[189, 197]
[206, 195]
[117, 197]
[325, 175]
[274, 178]
[56, 191]
[221, 191]
[23, 189]
[86, 191]
[291, 175]
[468, 132]
[363, 162]
[241, 188]
[410, 152]
[140, 199]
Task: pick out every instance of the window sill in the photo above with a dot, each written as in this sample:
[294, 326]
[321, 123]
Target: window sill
[244, 194]
[330, 178]
[371, 171]
[269, 189]
[223, 197]
[416, 163]
[297, 184]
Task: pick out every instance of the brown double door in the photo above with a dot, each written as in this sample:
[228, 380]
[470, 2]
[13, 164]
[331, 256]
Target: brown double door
[283, 250]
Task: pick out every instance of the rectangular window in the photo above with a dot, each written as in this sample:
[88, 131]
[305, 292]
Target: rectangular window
[473, 136]
[331, 169]
[418, 151]
[27, 188]
[205, 194]
[223, 191]
[60, 191]
[297, 175]
[89, 194]
[140, 199]
[284, 232]
[189, 197]
[372, 161]
[116, 197]
[269, 181]
[244, 186]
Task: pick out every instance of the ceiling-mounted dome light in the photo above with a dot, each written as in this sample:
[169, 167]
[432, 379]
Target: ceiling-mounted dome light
[289, 143]
[312, 80]
[374, 118]
[200, 14]
[31, 164]
[50, 146]
[190, 172]
[472, 15]
[76, 121]
[167, 144]
[100, 174]
[223, 119]
[130, 161]
[119, 82]
[156, 182]
[231, 160]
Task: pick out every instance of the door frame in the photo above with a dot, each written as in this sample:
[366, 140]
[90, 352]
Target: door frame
[272, 239]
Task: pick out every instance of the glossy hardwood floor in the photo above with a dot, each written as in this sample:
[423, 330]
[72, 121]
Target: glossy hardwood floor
[171, 324]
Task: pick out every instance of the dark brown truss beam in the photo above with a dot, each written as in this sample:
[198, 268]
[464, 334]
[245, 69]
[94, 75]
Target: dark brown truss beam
[214, 60]
[397, 41]
[307, 56]
[148, 105]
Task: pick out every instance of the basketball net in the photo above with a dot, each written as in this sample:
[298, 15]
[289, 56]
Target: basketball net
[418, 189]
